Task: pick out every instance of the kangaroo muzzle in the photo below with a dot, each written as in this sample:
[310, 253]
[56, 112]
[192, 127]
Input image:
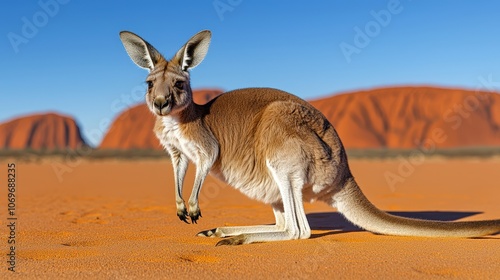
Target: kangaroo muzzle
[161, 103]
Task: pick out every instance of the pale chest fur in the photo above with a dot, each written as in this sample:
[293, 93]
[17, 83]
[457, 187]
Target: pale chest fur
[172, 135]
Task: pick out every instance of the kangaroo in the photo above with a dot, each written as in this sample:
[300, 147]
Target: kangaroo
[270, 145]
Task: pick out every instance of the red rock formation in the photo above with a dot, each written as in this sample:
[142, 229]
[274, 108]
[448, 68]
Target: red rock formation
[202, 96]
[399, 117]
[409, 117]
[133, 129]
[42, 131]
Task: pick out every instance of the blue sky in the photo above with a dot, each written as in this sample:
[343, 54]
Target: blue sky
[66, 56]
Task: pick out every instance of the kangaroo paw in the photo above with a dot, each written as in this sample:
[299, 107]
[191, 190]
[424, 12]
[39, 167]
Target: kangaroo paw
[195, 216]
[209, 233]
[236, 240]
[182, 214]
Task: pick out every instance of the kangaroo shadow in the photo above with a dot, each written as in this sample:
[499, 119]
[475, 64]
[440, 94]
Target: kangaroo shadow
[335, 222]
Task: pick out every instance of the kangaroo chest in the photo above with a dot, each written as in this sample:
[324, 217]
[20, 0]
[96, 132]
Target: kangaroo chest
[173, 135]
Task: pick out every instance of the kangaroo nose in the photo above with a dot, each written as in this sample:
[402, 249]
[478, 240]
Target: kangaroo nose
[160, 102]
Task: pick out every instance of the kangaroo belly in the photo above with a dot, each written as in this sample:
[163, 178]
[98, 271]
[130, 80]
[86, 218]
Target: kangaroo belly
[260, 187]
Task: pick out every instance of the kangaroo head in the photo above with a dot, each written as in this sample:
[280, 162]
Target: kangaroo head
[169, 89]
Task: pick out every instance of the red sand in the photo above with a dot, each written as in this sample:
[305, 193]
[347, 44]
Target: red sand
[116, 220]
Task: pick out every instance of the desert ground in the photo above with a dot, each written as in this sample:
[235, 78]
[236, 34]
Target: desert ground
[116, 219]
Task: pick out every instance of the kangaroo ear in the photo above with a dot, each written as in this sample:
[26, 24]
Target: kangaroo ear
[140, 51]
[194, 51]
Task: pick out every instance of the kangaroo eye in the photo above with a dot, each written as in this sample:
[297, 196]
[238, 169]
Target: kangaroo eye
[179, 84]
[150, 84]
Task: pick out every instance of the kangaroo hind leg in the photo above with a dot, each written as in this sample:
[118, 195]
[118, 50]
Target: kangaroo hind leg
[237, 230]
[295, 221]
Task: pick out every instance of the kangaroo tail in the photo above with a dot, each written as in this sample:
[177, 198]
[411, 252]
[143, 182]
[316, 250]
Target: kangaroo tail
[353, 204]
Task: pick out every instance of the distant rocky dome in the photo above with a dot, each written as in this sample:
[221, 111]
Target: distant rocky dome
[397, 117]
[133, 129]
[41, 131]
[411, 117]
